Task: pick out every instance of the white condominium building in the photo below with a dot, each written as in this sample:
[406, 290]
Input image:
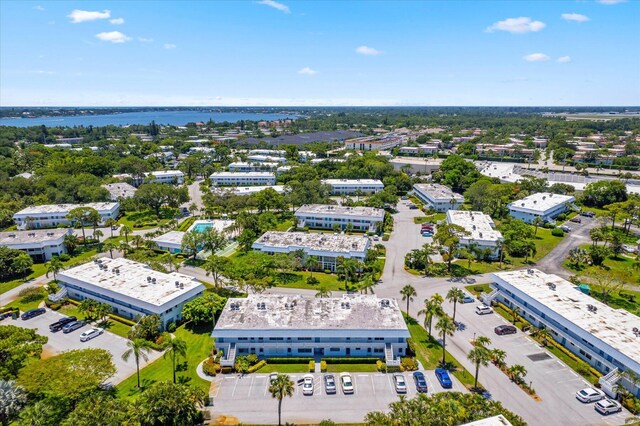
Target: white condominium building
[366, 219]
[166, 176]
[481, 229]
[120, 190]
[246, 190]
[265, 159]
[52, 215]
[375, 143]
[544, 205]
[354, 186]
[170, 241]
[438, 197]
[132, 289]
[40, 244]
[325, 247]
[251, 167]
[298, 326]
[606, 338]
[242, 178]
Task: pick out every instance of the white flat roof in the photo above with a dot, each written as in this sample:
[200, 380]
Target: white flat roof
[247, 190]
[167, 173]
[498, 420]
[36, 236]
[298, 312]
[612, 326]
[132, 280]
[328, 210]
[438, 192]
[65, 208]
[120, 189]
[242, 174]
[352, 182]
[541, 202]
[314, 241]
[171, 237]
[478, 224]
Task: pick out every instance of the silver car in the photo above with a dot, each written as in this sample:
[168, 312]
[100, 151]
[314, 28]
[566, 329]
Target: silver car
[588, 395]
[399, 383]
[608, 406]
[90, 334]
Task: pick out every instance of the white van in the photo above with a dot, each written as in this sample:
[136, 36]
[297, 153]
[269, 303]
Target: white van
[483, 310]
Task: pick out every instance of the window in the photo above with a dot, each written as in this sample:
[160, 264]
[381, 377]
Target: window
[304, 339]
[304, 350]
[378, 350]
[242, 338]
[334, 349]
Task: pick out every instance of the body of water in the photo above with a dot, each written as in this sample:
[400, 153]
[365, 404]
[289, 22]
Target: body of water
[175, 118]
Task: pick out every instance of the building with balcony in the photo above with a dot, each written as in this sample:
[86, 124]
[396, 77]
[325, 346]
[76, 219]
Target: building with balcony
[366, 219]
[242, 178]
[543, 205]
[354, 186]
[40, 244]
[298, 326]
[438, 197]
[481, 231]
[54, 215]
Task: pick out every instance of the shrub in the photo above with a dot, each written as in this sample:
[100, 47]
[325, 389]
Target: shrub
[323, 366]
[385, 237]
[312, 366]
[411, 347]
[138, 224]
[53, 306]
[64, 257]
[257, 366]
[7, 309]
[408, 364]
[363, 360]
[291, 360]
[32, 294]
[241, 365]
[252, 359]
[312, 280]
[210, 367]
[381, 366]
[393, 369]
[327, 271]
[557, 232]
[171, 326]
[561, 217]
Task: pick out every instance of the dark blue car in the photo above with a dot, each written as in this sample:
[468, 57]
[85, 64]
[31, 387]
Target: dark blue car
[421, 382]
[443, 378]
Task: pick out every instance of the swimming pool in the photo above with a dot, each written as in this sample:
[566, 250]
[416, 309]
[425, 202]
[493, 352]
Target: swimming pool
[205, 225]
[201, 227]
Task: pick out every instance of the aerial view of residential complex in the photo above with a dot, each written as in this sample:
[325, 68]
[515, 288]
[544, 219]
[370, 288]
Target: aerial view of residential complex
[319, 213]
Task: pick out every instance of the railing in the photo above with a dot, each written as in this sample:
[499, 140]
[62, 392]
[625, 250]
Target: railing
[487, 298]
[389, 359]
[609, 382]
[61, 294]
[229, 358]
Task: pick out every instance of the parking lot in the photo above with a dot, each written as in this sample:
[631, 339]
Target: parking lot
[60, 342]
[248, 398]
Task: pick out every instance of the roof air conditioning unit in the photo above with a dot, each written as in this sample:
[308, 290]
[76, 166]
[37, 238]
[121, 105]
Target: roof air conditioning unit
[177, 284]
[148, 279]
[181, 285]
[153, 280]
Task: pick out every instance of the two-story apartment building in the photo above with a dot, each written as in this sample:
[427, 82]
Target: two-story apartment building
[354, 186]
[324, 216]
[543, 205]
[53, 215]
[481, 230]
[40, 244]
[242, 178]
[438, 197]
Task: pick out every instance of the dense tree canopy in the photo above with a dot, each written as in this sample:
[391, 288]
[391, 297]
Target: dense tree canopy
[16, 345]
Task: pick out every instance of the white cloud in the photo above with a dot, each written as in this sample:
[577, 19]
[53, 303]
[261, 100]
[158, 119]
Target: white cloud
[41, 72]
[145, 40]
[307, 71]
[78, 16]
[117, 21]
[366, 50]
[536, 57]
[169, 46]
[519, 25]
[274, 4]
[113, 37]
[564, 59]
[38, 8]
[575, 17]
[611, 1]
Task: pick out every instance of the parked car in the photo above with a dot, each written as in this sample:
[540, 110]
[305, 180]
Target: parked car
[347, 383]
[421, 382]
[588, 214]
[72, 326]
[565, 228]
[588, 395]
[505, 329]
[57, 326]
[443, 377]
[483, 310]
[607, 406]
[90, 334]
[404, 197]
[413, 207]
[307, 384]
[399, 383]
[427, 234]
[329, 384]
[467, 298]
[629, 248]
[576, 219]
[376, 238]
[33, 313]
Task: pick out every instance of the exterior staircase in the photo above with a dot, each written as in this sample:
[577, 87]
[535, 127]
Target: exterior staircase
[609, 382]
[487, 298]
[61, 294]
[229, 358]
[389, 358]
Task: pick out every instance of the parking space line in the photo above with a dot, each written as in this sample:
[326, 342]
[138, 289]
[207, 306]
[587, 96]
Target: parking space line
[234, 387]
[373, 385]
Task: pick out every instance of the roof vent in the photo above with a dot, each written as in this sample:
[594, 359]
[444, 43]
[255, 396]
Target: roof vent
[261, 306]
[636, 331]
[552, 286]
[592, 308]
[49, 234]
[181, 285]
[148, 279]
[385, 303]
[177, 284]
[153, 280]
[345, 305]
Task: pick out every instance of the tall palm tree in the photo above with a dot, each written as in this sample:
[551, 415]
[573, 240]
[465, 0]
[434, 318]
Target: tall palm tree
[408, 293]
[426, 252]
[431, 308]
[97, 234]
[367, 285]
[479, 356]
[174, 347]
[482, 341]
[110, 223]
[125, 230]
[139, 348]
[137, 241]
[537, 221]
[323, 291]
[517, 372]
[498, 356]
[515, 311]
[280, 387]
[53, 267]
[312, 263]
[455, 295]
[109, 246]
[446, 327]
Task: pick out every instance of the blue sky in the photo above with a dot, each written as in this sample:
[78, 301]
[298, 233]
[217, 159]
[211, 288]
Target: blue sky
[268, 52]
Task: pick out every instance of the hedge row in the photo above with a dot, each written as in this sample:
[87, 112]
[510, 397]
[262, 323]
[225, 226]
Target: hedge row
[289, 360]
[367, 360]
[257, 366]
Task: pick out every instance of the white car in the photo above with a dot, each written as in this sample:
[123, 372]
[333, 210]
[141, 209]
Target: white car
[347, 383]
[307, 384]
[608, 406]
[90, 334]
[400, 383]
[483, 310]
[587, 395]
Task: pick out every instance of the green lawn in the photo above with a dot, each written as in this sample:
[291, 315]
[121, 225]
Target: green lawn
[284, 225]
[476, 289]
[111, 325]
[145, 217]
[199, 345]
[429, 353]
[625, 299]
[430, 218]
[284, 368]
[352, 368]
[620, 268]
[299, 280]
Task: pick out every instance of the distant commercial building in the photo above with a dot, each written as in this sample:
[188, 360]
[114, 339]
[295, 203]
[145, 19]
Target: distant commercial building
[544, 205]
[325, 247]
[132, 289]
[607, 339]
[120, 190]
[171, 241]
[40, 244]
[375, 143]
[481, 229]
[354, 186]
[166, 176]
[323, 216]
[296, 326]
[242, 178]
[424, 165]
[269, 152]
[251, 167]
[438, 197]
[52, 215]
[424, 149]
[256, 158]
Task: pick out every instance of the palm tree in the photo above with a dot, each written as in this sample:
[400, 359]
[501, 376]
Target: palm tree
[53, 267]
[124, 248]
[139, 348]
[312, 263]
[12, 399]
[125, 230]
[432, 307]
[498, 356]
[544, 334]
[174, 347]
[97, 234]
[517, 372]
[455, 295]
[479, 356]
[446, 327]
[515, 311]
[323, 291]
[537, 221]
[71, 243]
[109, 246]
[137, 241]
[408, 293]
[367, 285]
[482, 341]
[427, 250]
[110, 223]
[280, 387]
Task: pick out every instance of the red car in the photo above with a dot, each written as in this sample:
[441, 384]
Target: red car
[505, 329]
